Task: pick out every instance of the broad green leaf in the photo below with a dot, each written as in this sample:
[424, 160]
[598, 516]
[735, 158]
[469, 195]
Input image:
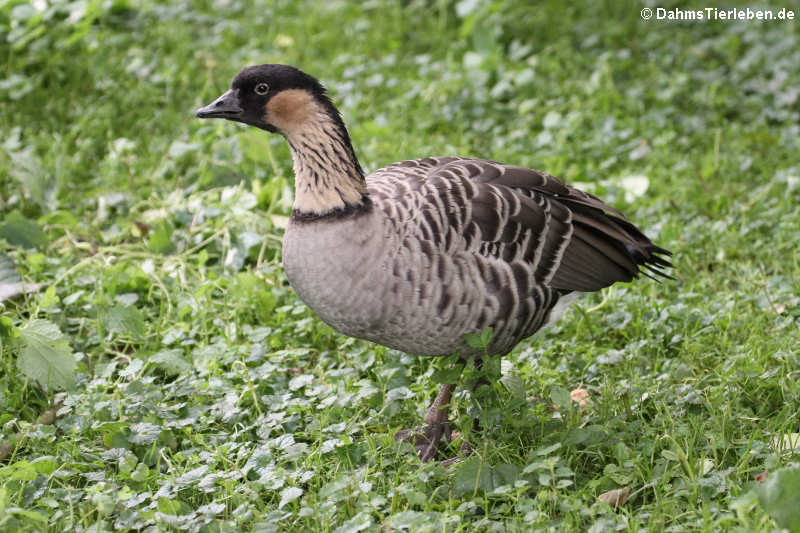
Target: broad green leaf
[548, 449]
[576, 436]
[22, 471]
[359, 522]
[49, 298]
[171, 361]
[492, 367]
[116, 439]
[515, 385]
[479, 340]
[45, 464]
[288, 495]
[469, 477]
[124, 320]
[476, 475]
[211, 509]
[449, 375]
[45, 355]
[415, 521]
[169, 506]
[144, 433]
[39, 184]
[778, 496]
[560, 396]
[7, 328]
[141, 472]
[160, 239]
[127, 462]
[31, 515]
[398, 393]
[20, 231]
[8, 270]
[298, 382]
[505, 474]
[192, 476]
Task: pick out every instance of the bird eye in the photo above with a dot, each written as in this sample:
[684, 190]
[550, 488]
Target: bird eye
[262, 89]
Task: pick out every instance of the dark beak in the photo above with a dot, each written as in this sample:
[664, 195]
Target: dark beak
[226, 106]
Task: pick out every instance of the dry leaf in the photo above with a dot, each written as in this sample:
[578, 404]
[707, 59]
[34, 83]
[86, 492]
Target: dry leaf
[615, 497]
[580, 396]
[761, 477]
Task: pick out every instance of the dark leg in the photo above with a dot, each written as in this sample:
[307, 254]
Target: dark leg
[437, 413]
[426, 439]
[466, 448]
[436, 425]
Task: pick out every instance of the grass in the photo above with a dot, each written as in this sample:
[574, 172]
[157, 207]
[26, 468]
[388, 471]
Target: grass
[179, 384]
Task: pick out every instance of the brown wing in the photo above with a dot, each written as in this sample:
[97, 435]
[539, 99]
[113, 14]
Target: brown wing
[528, 239]
[569, 239]
[602, 248]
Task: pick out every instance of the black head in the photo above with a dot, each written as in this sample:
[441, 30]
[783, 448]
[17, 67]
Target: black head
[253, 88]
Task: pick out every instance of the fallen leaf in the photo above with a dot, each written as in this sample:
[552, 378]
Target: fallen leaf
[143, 227]
[580, 396]
[615, 497]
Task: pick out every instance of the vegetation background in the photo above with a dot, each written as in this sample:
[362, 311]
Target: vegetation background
[157, 372]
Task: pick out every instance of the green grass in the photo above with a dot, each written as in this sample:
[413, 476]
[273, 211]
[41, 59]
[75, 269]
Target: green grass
[204, 396]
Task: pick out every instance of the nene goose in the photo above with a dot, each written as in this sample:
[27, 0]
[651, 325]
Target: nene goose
[422, 252]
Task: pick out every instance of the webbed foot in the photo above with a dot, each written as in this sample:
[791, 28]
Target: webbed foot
[426, 439]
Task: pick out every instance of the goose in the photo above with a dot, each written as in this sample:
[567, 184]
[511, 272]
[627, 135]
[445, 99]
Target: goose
[421, 253]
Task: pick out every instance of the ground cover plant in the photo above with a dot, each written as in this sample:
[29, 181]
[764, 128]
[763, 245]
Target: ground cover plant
[158, 374]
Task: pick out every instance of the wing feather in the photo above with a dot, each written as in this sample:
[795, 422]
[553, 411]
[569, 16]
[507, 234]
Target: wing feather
[572, 239]
[525, 236]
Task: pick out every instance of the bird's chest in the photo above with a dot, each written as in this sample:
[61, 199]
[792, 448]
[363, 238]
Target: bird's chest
[336, 268]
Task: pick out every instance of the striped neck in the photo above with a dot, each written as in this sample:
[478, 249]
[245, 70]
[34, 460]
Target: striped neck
[328, 177]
